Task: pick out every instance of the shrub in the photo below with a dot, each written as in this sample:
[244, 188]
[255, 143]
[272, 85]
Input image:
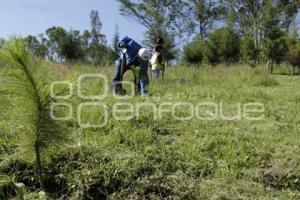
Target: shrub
[249, 53]
[211, 52]
[293, 55]
[193, 52]
[222, 45]
[229, 45]
[266, 81]
[274, 50]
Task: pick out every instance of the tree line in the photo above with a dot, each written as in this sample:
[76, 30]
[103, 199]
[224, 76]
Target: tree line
[208, 31]
[253, 32]
[250, 31]
[58, 44]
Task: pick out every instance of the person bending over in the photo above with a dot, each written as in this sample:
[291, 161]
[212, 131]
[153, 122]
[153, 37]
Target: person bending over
[132, 54]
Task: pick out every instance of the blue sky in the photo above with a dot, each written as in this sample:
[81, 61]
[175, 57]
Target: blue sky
[24, 17]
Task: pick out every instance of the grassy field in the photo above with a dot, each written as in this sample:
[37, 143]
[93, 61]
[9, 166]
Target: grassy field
[148, 158]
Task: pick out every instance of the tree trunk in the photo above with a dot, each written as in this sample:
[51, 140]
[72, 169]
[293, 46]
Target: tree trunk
[227, 62]
[37, 147]
[292, 73]
[255, 36]
[287, 25]
[255, 33]
[270, 66]
[39, 165]
[202, 31]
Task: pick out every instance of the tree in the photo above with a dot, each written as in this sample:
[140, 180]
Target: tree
[43, 46]
[86, 37]
[2, 42]
[292, 39]
[96, 26]
[172, 15]
[222, 45]
[98, 50]
[65, 45]
[29, 84]
[206, 13]
[72, 47]
[228, 44]
[274, 43]
[249, 53]
[32, 43]
[56, 36]
[288, 12]
[115, 41]
[247, 14]
[35, 46]
[193, 52]
[211, 51]
[170, 19]
[293, 55]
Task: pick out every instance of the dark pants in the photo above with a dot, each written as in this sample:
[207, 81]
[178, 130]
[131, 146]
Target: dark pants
[144, 80]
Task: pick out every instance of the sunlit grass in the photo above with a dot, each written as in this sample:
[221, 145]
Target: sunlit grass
[165, 158]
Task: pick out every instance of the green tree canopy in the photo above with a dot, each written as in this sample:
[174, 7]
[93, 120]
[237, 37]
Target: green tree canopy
[193, 52]
[273, 43]
[169, 19]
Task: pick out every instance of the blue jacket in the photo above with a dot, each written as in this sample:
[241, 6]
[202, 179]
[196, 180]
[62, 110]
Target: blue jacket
[132, 49]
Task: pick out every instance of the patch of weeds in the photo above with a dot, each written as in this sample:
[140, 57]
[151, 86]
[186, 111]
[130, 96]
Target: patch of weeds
[266, 81]
[280, 177]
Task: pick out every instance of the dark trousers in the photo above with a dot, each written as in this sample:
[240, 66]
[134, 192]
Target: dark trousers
[144, 80]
